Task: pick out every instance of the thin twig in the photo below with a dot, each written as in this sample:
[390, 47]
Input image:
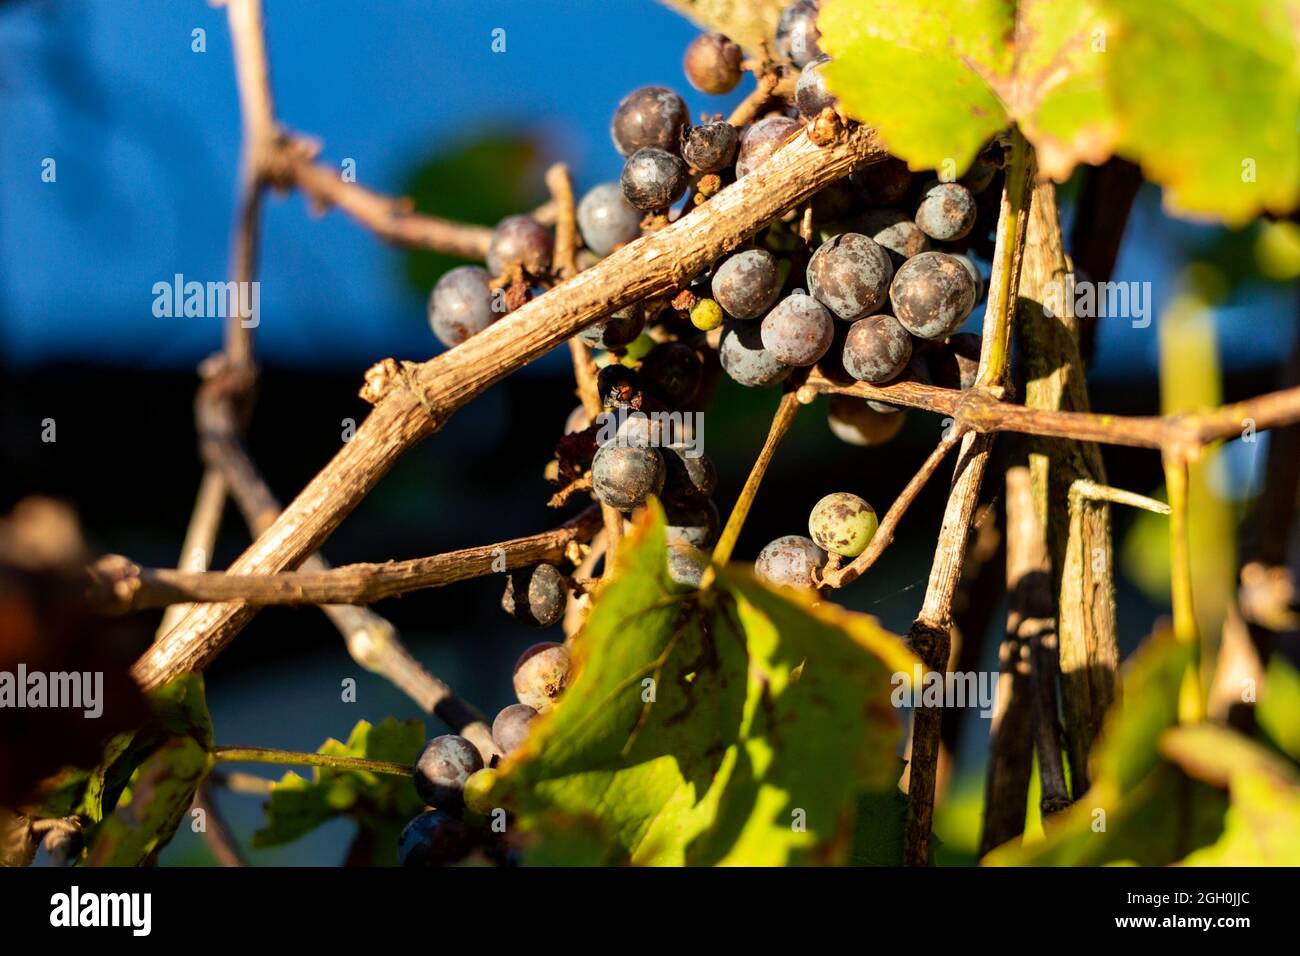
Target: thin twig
[884, 535]
[216, 833]
[200, 538]
[295, 758]
[1085, 489]
[930, 634]
[781, 421]
[1191, 702]
[119, 586]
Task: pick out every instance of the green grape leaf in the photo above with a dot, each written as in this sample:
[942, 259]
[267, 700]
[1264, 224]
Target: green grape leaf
[145, 819]
[1262, 825]
[1204, 96]
[379, 803]
[751, 23]
[732, 726]
[1278, 712]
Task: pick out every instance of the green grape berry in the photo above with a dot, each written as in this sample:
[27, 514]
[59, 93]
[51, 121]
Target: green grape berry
[706, 315]
[843, 523]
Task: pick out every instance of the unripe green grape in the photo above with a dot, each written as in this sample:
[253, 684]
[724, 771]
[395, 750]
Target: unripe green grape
[843, 523]
[706, 315]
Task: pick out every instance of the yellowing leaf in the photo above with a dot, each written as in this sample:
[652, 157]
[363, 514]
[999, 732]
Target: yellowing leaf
[751, 23]
[1204, 95]
[734, 727]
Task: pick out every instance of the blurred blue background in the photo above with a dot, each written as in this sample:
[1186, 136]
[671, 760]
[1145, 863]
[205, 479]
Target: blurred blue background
[145, 134]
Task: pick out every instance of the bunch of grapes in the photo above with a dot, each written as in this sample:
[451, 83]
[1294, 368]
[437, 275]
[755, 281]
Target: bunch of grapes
[870, 281]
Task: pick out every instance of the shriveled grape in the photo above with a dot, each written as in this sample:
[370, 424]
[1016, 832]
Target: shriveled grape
[711, 147]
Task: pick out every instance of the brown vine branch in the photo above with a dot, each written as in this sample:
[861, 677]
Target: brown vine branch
[930, 634]
[415, 400]
[119, 586]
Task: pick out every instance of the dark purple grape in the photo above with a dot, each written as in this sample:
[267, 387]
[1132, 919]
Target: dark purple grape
[606, 219]
[744, 359]
[649, 116]
[712, 64]
[688, 477]
[686, 565]
[797, 33]
[849, 274]
[520, 240]
[981, 173]
[884, 182]
[694, 523]
[623, 477]
[672, 371]
[541, 674]
[798, 330]
[855, 422]
[616, 331]
[762, 139]
[460, 305]
[877, 349]
[946, 212]
[510, 729]
[789, 561]
[747, 283]
[654, 178]
[618, 386]
[442, 769]
[893, 230]
[916, 371]
[536, 595]
[434, 838]
[932, 295]
[810, 94]
[836, 201]
[711, 147]
[955, 363]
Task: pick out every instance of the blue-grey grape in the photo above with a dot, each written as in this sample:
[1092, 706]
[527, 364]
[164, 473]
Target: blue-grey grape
[798, 330]
[510, 728]
[789, 561]
[648, 116]
[434, 838]
[850, 274]
[654, 178]
[946, 211]
[746, 283]
[606, 219]
[797, 34]
[442, 769]
[616, 331]
[810, 94]
[523, 241]
[623, 477]
[536, 595]
[932, 294]
[541, 674]
[460, 305]
[711, 147]
[712, 63]
[876, 349]
[744, 359]
[762, 139]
